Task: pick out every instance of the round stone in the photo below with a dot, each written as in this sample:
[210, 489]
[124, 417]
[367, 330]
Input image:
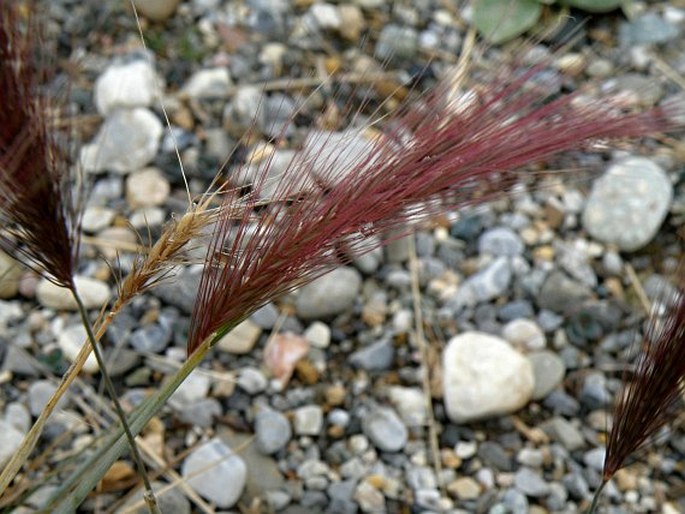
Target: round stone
[147, 188]
[524, 333]
[272, 431]
[548, 370]
[126, 85]
[329, 295]
[70, 341]
[484, 377]
[628, 204]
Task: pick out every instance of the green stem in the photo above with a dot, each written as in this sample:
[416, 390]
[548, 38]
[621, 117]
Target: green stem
[149, 493]
[595, 498]
[75, 488]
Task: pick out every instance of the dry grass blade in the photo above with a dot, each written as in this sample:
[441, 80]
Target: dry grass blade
[36, 207]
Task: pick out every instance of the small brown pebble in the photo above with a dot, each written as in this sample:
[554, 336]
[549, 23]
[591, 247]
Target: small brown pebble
[335, 395]
[307, 372]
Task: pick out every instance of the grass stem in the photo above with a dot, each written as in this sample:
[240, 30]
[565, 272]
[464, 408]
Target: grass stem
[149, 495]
[595, 498]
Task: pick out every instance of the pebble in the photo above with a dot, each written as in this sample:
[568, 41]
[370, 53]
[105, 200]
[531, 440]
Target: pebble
[531, 483]
[147, 188]
[150, 338]
[477, 371]
[195, 387]
[308, 420]
[94, 294]
[410, 403]
[215, 472]
[396, 42]
[465, 488]
[171, 500]
[242, 339]
[251, 380]
[125, 85]
[318, 335]
[209, 83]
[500, 242]
[377, 356]
[96, 218]
[561, 430]
[70, 341]
[272, 431]
[147, 217]
[10, 274]
[369, 498]
[649, 28]
[138, 130]
[524, 334]
[488, 284]
[628, 204]
[548, 372]
[331, 294]
[10, 440]
[561, 294]
[18, 416]
[39, 393]
[332, 156]
[385, 429]
[157, 10]
[245, 111]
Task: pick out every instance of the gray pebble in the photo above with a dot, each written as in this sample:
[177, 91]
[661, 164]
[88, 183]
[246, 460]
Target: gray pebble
[39, 393]
[251, 380]
[384, 429]
[548, 370]
[560, 294]
[646, 29]
[396, 42]
[500, 242]
[377, 356]
[171, 501]
[531, 483]
[150, 339]
[561, 430]
[329, 295]
[272, 430]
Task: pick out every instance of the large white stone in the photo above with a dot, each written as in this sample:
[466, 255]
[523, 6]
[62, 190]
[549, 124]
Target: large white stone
[127, 141]
[127, 85]
[94, 294]
[483, 376]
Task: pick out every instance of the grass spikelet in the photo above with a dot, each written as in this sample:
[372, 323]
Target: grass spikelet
[647, 403]
[437, 155]
[38, 220]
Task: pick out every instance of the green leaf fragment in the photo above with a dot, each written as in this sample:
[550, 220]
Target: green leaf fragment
[501, 20]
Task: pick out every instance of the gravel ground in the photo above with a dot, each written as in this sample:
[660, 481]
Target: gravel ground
[317, 403]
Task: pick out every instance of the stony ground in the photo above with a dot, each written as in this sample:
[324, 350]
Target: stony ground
[318, 403]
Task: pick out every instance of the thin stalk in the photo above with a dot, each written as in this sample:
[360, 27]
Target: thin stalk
[149, 494]
[75, 488]
[595, 498]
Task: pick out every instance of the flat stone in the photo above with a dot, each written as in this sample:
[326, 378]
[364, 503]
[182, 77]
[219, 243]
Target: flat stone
[483, 376]
[561, 430]
[39, 393]
[531, 483]
[94, 294]
[385, 429]
[242, 339]
[215, 472]
[524, 334]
